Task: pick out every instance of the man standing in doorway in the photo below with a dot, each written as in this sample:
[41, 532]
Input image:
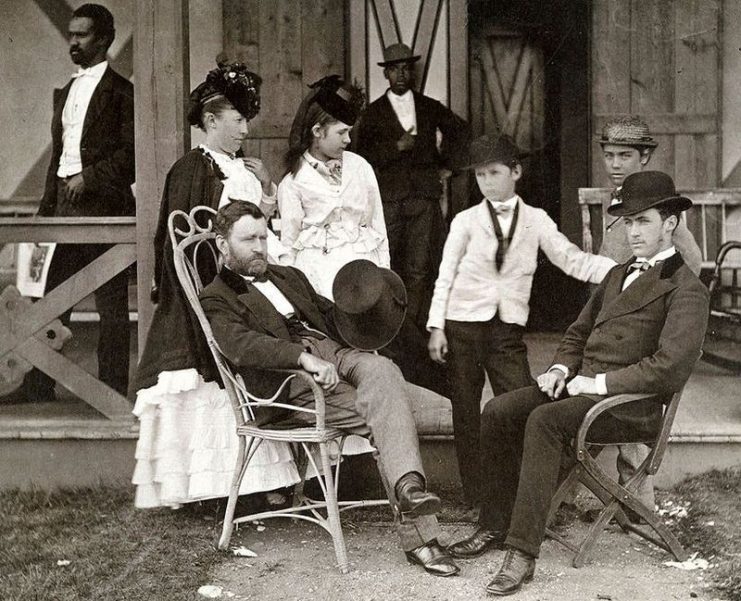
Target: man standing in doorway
[410, 140]
[90, 174]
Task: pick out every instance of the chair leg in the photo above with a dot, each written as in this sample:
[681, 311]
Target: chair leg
[563, 491]
[333, 511]
[243, 459]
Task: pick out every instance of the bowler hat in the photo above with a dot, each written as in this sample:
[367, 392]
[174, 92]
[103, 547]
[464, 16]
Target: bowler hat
[370, 304]
[645, 190]
[493, 148]
[398, 53]
[627, 131]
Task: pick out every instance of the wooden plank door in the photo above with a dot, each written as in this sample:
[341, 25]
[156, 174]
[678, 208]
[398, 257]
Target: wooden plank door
[659, 60]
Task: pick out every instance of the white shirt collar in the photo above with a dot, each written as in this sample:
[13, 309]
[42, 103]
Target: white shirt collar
[405, 98]
[95, 71]
[510, 202]
[659, 256]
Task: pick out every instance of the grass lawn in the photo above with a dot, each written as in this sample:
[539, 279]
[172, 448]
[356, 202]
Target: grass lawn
[713, 524]
[116, 552]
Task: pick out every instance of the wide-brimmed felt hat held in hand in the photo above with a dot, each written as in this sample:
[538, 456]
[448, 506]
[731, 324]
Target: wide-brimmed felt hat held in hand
[646, 190]
[370, 304]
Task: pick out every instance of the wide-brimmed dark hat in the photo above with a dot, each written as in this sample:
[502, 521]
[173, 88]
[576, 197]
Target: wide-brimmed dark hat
[646, 190]
[398, 53]
[493, 148]
[627, 131]
[370, 304]
[236, 83]
[341, 100]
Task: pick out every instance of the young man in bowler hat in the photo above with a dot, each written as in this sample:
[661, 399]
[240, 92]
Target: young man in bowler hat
[398, 136]
[627, 147]
[482, 294]
[640, 332]
[269, 317]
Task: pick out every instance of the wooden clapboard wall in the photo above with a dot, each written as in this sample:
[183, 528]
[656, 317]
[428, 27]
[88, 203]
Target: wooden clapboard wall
[290, 43]
[660, 60]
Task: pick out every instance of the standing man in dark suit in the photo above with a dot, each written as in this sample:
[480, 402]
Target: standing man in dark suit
[90, 174]
[640, 332]
[399, 136]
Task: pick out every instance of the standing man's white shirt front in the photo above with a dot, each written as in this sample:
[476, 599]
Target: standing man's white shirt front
[404, 108]
[73, 117]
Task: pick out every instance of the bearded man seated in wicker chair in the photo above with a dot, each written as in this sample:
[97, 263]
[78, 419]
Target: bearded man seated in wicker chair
[269, 317]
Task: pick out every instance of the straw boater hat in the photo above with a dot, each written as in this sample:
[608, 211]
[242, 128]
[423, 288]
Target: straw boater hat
[398, 53]
[627, 131]
[645, 190]
[370, 304]
[493, 148]
[240, 86]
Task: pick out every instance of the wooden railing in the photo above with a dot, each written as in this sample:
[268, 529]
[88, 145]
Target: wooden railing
[708, 219]
[20, 340]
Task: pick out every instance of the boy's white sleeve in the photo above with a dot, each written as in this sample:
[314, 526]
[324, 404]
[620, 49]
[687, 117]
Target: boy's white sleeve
[568, 257]
[378, 223]
[455, 247]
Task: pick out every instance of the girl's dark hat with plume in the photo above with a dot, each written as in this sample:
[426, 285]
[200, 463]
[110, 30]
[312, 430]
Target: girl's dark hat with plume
[236, 83]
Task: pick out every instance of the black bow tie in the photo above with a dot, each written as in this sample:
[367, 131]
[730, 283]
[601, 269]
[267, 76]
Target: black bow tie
[639, 266]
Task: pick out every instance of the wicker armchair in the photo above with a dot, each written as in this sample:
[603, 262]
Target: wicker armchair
[193, 243]
[614, 496]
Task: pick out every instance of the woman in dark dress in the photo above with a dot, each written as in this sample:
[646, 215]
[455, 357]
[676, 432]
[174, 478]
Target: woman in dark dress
[187, 443]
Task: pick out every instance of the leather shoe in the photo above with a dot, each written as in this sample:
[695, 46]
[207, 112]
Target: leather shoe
[517, 568]
[434, 559]
[412, 497]
[477, 544]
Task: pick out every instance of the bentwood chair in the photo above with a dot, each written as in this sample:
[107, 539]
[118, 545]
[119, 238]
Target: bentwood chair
[724, 324]
[614, 496]
[192, 241]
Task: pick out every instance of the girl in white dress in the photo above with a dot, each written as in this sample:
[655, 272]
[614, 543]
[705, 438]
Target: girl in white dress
[330, 206]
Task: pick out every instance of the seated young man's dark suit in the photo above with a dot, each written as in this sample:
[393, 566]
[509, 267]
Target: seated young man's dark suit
[639, 335]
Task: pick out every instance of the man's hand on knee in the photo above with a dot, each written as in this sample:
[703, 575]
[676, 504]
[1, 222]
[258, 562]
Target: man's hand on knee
[323, 371]
[552, 383]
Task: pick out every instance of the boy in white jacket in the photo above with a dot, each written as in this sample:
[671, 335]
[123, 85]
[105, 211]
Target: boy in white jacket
[481, 300]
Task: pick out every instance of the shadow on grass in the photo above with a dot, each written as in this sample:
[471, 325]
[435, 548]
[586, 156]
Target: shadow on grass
[115, 552]
[712, 525]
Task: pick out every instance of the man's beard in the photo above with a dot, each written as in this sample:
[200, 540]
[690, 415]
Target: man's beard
[254, 265]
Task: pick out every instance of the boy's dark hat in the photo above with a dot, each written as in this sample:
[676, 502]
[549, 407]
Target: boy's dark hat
[627, 131]
[370, 304]
[646, 190]
[398, 53]
[236, 83]
[493, 148]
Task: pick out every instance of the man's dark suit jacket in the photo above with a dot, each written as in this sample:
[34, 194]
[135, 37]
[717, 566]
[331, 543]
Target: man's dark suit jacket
[646, 338]
[416, 171]
[106, 149]
[252, 334]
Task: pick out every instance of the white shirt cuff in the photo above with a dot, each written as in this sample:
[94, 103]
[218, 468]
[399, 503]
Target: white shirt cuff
[560, 367]
[272, 198]
[600, 381]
